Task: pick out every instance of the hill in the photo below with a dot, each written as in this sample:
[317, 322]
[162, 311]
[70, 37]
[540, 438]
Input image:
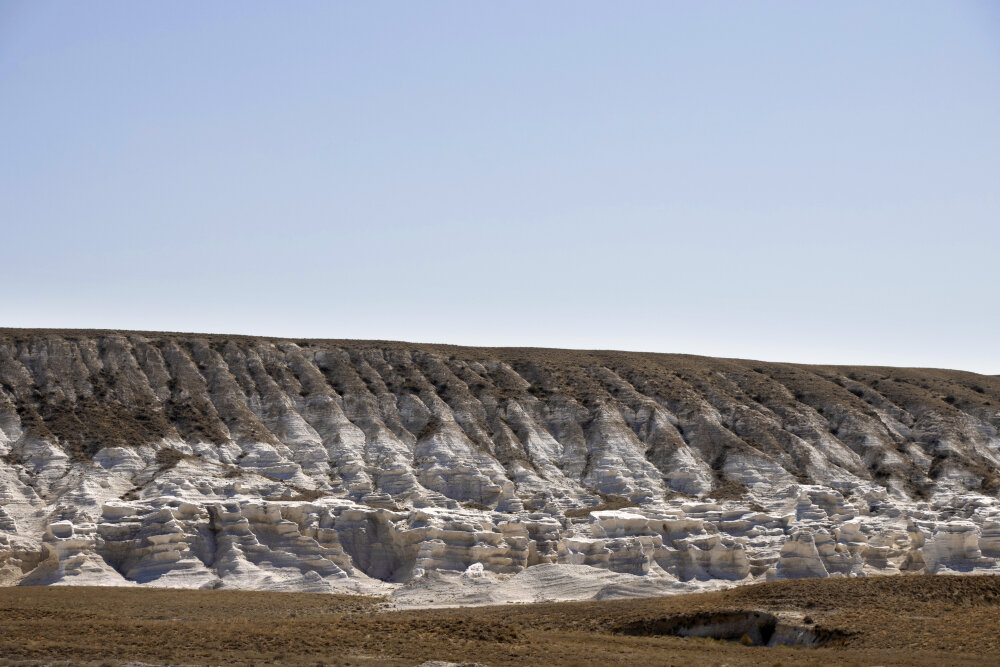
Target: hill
[214, 460]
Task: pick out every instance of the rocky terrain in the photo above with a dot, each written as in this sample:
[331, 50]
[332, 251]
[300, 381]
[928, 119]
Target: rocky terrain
[445, 475]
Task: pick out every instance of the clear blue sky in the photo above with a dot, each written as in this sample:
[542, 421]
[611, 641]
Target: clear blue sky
[788, 181]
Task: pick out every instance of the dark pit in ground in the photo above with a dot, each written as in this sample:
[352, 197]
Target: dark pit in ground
[757, 628]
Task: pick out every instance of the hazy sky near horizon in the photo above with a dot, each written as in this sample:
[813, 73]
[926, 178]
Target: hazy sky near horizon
[784, 181]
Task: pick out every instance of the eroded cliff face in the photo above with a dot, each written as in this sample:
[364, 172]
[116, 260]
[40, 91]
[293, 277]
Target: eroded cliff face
[190, 460]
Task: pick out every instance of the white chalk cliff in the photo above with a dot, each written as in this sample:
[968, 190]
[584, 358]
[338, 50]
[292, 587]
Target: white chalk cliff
[444, 475]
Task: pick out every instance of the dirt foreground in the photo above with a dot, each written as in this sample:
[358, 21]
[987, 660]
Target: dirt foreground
[915, 620]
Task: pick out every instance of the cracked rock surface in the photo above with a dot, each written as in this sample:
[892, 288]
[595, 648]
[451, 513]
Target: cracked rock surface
[439, 474]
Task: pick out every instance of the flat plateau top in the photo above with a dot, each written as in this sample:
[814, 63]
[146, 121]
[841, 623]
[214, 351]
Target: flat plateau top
[543, 355]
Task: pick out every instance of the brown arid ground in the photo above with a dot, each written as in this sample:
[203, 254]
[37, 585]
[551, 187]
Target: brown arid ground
[914, 620]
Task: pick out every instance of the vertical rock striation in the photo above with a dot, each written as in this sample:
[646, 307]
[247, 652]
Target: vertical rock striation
[206, 461]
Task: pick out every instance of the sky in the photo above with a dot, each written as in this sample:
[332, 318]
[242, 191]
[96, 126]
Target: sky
[807, 182]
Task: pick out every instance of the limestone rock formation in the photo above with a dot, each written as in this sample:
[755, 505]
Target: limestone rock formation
[131, 458]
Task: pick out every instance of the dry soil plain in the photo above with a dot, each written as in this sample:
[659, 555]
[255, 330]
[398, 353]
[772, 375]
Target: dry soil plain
[913, 620]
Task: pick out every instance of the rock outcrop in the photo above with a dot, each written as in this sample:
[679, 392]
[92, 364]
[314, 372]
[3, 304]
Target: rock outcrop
[132, 458]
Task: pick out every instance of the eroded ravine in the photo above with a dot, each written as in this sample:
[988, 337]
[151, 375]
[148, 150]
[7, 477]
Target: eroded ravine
[196, 460]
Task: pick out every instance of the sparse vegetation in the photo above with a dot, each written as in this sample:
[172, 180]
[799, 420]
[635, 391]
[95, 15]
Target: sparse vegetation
[306, 495]
[761, 404]
[429, 428]
[944, 620]
[168, 459]
[728, 488]
[472, 505]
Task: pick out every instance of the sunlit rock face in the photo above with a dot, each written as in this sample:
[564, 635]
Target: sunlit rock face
[213, 461]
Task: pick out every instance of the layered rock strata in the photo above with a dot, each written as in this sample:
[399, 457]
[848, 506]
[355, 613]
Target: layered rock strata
[133, 458]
